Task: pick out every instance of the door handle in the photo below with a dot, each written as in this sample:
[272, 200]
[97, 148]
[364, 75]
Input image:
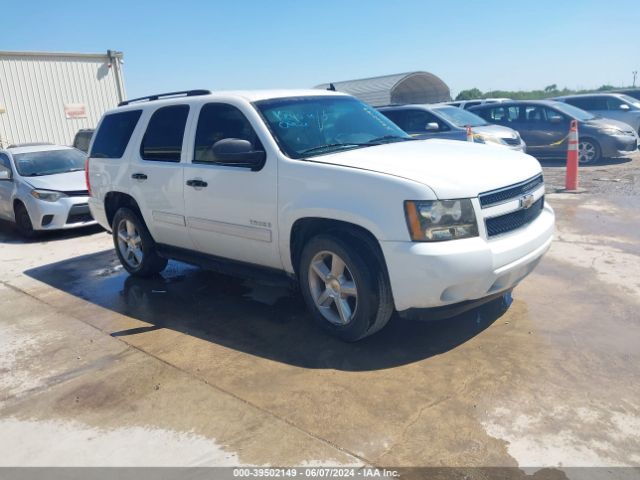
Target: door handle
[139, 176]
[196, 183]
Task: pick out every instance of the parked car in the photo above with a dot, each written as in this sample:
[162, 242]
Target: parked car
[609, 105]
[467, 104]
[82, 139]
[317, 186]
[544, 125]
[446, 121]
[42, 187]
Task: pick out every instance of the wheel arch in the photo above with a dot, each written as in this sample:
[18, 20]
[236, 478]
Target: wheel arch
[114, 200]
[303, 229]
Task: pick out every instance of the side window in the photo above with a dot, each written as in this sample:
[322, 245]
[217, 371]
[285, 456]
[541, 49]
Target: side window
[416, 121]
[471, 104]
[535, 114]
[589, 103]
[114, 134]
[5, 164]
[162, 142]
[397, 117]
[219, 121]
[613, 103]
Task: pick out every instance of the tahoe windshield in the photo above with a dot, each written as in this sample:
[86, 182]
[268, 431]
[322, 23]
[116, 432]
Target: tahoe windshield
[460, 117]
[573, 112]
[309, 126]
[49, 162]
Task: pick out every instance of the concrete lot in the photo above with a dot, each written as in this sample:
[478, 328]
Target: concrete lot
[195, 368]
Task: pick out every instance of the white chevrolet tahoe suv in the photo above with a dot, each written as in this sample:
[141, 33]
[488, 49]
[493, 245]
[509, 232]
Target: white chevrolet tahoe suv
[322, 188]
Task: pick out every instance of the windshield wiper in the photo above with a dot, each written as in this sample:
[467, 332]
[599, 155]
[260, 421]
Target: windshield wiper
[381, 140]
[333, 145]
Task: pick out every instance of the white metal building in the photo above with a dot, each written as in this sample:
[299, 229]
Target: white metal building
[48, 97]
[396, 89]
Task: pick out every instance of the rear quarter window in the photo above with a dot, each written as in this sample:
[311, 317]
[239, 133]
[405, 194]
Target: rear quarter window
[114, 134]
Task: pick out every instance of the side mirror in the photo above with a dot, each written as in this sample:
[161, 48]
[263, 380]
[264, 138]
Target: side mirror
[5, 174]
[432, 126]
[624, 107]
[238, 153]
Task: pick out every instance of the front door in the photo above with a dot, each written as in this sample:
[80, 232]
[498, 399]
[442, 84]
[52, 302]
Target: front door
[231, 210]
[544, 130]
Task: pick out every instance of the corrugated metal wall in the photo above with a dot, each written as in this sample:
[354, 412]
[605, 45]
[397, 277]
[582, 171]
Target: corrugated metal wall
[35, 87]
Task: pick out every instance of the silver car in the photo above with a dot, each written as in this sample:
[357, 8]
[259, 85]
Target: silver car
[43, 187]
[446, 121]
[617, 106]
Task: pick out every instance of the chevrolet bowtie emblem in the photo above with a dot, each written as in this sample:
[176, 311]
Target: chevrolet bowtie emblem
[526, 201]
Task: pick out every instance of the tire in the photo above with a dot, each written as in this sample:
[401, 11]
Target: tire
[23, 221]
[589, 151]
[134, 245]
[350, 298]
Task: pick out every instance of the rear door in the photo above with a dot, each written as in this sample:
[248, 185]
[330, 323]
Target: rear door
[157, 174]
[231, 210]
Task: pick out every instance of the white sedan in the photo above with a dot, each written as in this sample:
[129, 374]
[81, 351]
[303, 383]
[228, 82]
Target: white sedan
[43, 187]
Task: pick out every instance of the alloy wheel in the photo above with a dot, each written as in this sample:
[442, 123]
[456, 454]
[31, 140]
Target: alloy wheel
[130, 243]
[333, 288]
[586, 152]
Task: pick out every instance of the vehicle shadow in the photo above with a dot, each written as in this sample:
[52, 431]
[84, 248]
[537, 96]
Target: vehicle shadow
[562, 162]
[268, 321]
[9, 234]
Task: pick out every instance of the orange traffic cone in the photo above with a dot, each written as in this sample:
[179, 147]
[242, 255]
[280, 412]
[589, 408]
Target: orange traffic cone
[469, 134]
[571, 179]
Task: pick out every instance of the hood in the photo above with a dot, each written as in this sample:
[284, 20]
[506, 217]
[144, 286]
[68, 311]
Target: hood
[452, 169]
[61, 182]
[496, 131]
[607, 123]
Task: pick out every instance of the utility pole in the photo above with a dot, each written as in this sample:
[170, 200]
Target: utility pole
[635, 74]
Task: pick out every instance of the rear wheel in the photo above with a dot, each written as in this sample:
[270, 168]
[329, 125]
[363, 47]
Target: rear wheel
[588, 151]
[347, 295]
[23, 221]
[134, 245]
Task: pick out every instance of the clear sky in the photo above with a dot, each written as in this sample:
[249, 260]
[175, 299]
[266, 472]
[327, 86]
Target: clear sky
[238, 44]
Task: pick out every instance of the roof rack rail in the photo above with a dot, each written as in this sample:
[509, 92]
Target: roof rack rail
[150, 98]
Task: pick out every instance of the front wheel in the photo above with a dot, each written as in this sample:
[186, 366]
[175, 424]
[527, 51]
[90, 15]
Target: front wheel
[348, 295]
[23, 222]
[588, 151]
[134, 245]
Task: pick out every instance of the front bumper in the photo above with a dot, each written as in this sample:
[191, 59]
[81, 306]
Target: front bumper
[619, 145]
[66, 213]
[429, 275]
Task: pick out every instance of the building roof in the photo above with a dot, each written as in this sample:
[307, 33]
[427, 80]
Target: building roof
[400, 88]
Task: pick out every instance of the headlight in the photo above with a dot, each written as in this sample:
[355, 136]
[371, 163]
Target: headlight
[438, 220]
[487, 139]
[47, 195]
[611, 131]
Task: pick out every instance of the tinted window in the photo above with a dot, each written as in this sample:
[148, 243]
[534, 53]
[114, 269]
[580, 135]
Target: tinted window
[4, 163]
[82, 140]
[219, 121]
[500, 114]
[588, 103]
[163, 139]
[49, 162]
[415, 121]
[114, 134]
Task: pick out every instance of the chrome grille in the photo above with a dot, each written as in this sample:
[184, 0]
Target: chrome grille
[77, 193]
[514, 220]
[511, 192]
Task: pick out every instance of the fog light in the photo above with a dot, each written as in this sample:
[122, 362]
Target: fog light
[46, 220]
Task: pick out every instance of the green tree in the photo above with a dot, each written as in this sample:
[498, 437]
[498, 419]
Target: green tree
[469, 94]
[551, 88]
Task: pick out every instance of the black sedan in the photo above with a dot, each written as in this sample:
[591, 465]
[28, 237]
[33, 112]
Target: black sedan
[544, 125]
